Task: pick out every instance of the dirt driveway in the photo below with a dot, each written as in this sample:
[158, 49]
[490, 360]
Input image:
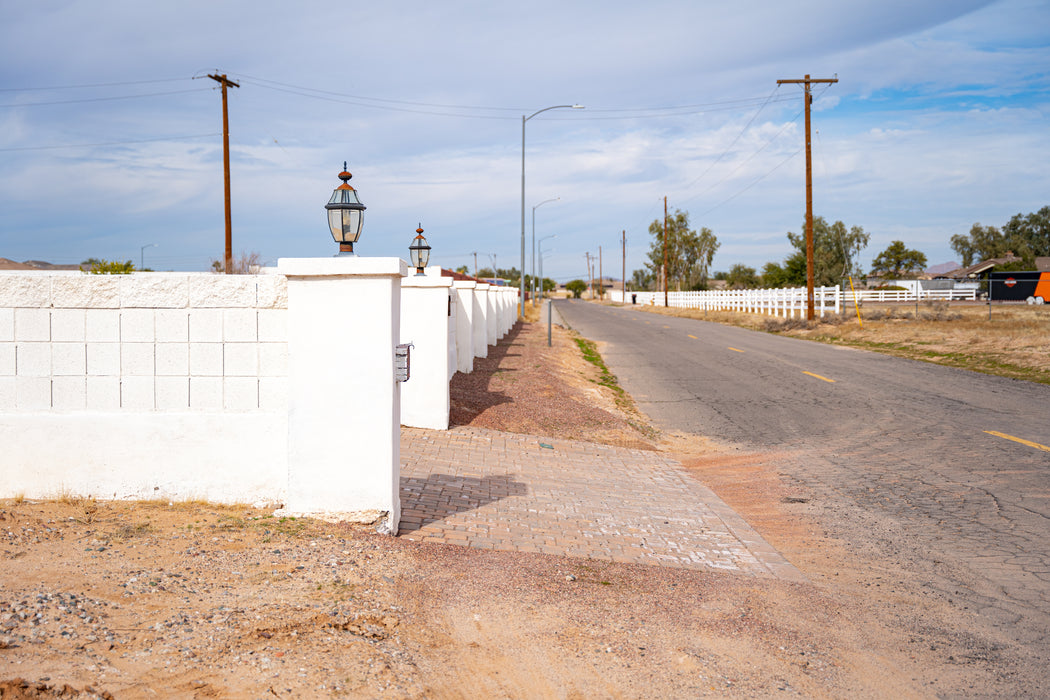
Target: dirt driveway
[131, 600]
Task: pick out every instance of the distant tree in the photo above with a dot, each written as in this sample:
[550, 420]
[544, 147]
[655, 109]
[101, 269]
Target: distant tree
[1029, 235]
[486, 273]
[689, 253]
[834, 250]
[741, 276]
[773, 275]
[110, 267]
[641, 280]
[246, 264]
[577, 287]
[463, 270]
[982, 243]
[898, 260]
[720, 275]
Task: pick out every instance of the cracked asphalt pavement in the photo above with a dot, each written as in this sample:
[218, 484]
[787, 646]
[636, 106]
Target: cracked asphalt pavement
[937, 473]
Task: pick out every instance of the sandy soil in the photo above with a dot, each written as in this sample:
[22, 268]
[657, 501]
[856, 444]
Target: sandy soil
[135, 600]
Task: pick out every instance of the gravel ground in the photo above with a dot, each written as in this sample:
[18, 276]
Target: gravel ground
[130, 600]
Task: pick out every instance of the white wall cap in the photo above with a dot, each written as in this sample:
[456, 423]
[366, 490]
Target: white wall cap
[414, 280]
[342, 266]
[464, 284]
[483, 286]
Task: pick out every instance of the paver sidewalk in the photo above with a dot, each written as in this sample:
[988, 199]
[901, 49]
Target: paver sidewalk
[494, 490]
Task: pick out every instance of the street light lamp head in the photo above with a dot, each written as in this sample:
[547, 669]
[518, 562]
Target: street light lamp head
[419, 251]
[345, 214]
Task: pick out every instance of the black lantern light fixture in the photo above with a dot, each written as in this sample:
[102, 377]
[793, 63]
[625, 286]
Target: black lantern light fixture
[419, 251]
[345, 214]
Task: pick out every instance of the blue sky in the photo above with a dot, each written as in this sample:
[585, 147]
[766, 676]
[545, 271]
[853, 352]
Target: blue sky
[110, 131]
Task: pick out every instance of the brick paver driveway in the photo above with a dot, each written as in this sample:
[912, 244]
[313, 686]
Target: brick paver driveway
[493, 490]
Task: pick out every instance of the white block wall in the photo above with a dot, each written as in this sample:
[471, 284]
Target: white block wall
[151, 385]
[145, 342]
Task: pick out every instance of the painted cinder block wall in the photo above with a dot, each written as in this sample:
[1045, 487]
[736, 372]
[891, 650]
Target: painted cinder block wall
[154, 385]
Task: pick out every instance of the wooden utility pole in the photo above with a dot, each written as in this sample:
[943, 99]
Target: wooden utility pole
[601, 276]
[665, 251]
[224, 81]
[623, 272]
[807, 81]
[475, 264]
[590, 274]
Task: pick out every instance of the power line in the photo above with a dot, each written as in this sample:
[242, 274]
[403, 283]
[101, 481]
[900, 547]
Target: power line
[93, 85]
[104, 99]
[110, 143]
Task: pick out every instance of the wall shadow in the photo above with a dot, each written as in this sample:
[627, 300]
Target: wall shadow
[470, 394]
[439, 496]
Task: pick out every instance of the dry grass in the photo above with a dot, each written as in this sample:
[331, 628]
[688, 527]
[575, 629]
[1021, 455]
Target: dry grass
[1013, 343]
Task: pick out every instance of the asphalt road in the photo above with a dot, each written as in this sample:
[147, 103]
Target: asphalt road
[940, 471]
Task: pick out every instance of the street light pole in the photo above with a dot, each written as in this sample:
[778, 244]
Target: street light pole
[142, 254]
[521, 290]
[553, 235]
[534, 246]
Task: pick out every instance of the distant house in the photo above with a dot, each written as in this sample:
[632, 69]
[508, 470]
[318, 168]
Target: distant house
[980, 269]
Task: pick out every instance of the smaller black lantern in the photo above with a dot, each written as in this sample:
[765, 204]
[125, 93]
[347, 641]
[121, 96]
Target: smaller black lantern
[419, 251]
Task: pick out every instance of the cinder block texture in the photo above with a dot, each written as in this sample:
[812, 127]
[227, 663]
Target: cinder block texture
[25, 290]
[239, 325]
[68, 359]
[205, 392]
[69, 393]
[240, 359]
[7, 393]
[206, 326]
[103, 393]
[7, 359]
[33, 393]
[33, 324]
[102, 326]
[137, 393]
[240, 393]
[103, 359]
[205, 359]
[68, 325]
[172, 325]
[155, 291]
[173, 393]
[136, 326]
[86, 291]
[222, 291]
[33, 359]
[7, 325]
[172, 359]
[137, 360]
[273, 325]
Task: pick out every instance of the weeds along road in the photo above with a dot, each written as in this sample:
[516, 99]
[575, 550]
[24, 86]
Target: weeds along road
[939, 472]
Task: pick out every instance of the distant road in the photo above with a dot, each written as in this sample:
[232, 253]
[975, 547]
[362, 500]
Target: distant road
[951, 467]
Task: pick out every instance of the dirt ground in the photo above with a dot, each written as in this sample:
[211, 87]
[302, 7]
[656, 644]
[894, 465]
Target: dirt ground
[137, 600]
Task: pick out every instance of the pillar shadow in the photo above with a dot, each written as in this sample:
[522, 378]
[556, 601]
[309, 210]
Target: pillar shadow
[470, 394]
[439, 496]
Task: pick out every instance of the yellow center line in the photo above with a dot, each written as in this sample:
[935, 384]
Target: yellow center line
[666, 326]
[825, 379]
[1036, 445]
[694, 337]
[735, 350]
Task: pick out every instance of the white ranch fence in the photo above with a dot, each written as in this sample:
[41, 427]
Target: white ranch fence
[789, 302]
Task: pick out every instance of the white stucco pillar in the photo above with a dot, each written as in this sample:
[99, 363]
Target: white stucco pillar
[424, 323]
[492, 316]
[480, 320]
[344, 402]
[464, 292]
